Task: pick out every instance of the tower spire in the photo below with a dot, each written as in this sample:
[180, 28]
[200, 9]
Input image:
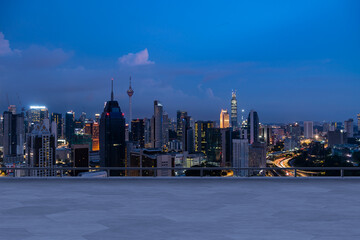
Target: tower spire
[112, 89]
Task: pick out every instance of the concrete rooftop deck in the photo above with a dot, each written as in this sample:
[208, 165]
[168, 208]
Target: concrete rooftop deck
[180, 209]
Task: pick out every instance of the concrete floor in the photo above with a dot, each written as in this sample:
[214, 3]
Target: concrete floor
[179, 209]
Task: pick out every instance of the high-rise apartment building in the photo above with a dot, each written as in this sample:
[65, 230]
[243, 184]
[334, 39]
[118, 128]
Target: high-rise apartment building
[308, 129]
[224, 119]
[112, 135]
[240, 156]
[234, 114]
[41, 150]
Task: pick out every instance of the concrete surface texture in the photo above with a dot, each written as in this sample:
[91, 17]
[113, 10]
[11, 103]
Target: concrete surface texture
[180, 209]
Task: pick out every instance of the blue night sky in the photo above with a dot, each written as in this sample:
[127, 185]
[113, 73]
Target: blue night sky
[288, 60]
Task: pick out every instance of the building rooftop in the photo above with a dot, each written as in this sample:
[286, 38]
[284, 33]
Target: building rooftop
[176, 208]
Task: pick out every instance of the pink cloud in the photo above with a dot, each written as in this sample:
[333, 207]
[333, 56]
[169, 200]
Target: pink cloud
[136, 59]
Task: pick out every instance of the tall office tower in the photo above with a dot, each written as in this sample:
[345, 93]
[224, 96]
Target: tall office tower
[308, 129]
[189, 147]
[201, 135]
[80, 157]
[69, 126]
[214, 146]
[358, 123]
[36, 115]
[240, 158]
[165, 130]
[157, 125]
[92, 128]
[266, 134]
[224, 119]
[13, 137]
[336, 137]
[95, 137]
[130, 93]
[253, 127]
[41, 150]
[57, 118]
[147, 132]
[180, 115]
[112, 135]
[186, 129]
[138, 132]
[97, 117]
[234, 114]
[349, 128]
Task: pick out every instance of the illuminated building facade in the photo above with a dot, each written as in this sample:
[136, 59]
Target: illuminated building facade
[57, 118]
[41, 150]
[224, 119]
[36, 115]
[201, 135]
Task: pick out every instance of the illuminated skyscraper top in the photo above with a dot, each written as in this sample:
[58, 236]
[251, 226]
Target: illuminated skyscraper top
[234, 116]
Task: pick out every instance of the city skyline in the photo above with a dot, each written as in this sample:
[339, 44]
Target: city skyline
[289, 62]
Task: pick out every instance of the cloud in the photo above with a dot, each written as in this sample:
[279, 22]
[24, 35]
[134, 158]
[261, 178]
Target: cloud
[5, 46]
[136, 59]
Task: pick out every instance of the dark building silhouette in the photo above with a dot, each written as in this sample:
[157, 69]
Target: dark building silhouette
[253, 127]
[13, 137]
[112, 135]
[80, 157]
[138, 132]
[69, 126]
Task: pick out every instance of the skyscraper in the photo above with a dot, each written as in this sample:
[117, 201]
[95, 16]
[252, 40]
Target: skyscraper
[138, 132]
[358, 122]
[13, 137]
[157, 125]
[234, 114]
[36, 115]
[201, 135]
[41, 150]
[69, 126]
[240, 156]
[224, 119]
[130, 93]
[349, 128]
[180, 115]
[253, 127]
[112, 135]
[308, 129]
[57, 118]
